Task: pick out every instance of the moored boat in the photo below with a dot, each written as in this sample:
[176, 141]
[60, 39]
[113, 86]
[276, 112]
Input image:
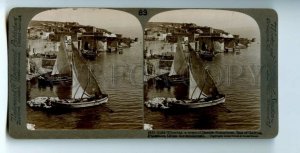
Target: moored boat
[206, 55]
[80, 103]
[86, 91]
[89, 54]
[198, 103]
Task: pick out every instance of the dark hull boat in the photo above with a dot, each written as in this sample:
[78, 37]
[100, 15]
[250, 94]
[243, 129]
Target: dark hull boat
[206, 55]
[89, 54]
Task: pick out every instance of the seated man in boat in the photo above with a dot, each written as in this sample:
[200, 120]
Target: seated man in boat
[97, 95]
[214, 94]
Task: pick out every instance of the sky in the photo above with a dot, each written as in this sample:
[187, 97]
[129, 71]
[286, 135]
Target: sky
[112, 20]
[126, 24]
[230, 21]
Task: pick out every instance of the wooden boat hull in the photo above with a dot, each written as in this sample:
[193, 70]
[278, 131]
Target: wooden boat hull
[199, 104]
[81, 104]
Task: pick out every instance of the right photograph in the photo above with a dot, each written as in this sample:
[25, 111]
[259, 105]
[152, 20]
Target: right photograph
[202, 71]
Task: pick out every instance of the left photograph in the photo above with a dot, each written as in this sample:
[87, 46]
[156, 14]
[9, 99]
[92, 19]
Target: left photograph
[84, 70]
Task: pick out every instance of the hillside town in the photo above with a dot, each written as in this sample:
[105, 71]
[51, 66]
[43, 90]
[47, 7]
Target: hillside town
[96, 38]
[161, 39]
[212, 39]
[45, 40]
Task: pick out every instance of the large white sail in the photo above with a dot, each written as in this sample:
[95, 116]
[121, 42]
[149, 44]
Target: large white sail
[62, 64]
[179, 64]
[194, 90]
[77, 90]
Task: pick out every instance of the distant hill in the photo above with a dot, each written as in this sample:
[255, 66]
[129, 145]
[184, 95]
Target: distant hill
[41, 23]
[155, 24]
[36, 23]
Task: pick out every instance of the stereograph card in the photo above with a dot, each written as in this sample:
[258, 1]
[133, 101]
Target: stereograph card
[142, 73]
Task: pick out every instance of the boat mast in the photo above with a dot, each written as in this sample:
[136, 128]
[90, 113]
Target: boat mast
[85, 86]
[201, 90]
[74, 75]
[190, 75]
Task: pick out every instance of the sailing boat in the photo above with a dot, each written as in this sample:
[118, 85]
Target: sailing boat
[85, 88]
[202, 88]
[179, 67]
[61, 71]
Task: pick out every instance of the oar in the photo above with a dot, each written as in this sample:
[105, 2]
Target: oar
[107, 108]
[224, 107]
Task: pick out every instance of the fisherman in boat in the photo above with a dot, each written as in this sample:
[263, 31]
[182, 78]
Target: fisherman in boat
[97, 95]
[215, 93]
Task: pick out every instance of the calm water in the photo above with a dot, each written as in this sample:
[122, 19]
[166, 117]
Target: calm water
[120, 76]
[237, 76]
